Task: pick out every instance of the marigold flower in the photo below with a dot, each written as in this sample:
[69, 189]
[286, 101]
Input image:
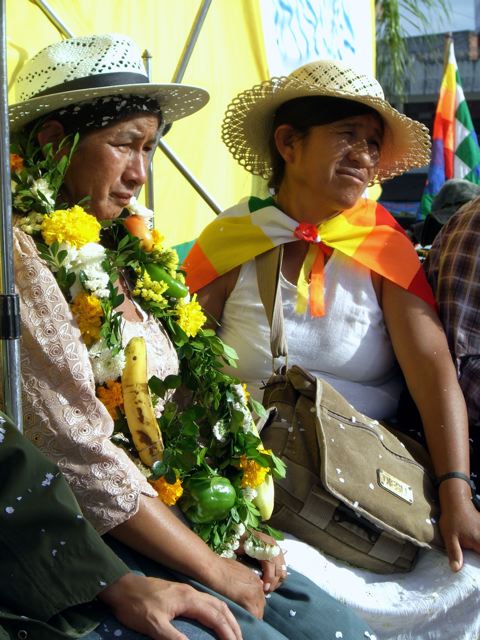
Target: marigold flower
[245, 392]
[112, 397]
[149, 289]
[88, 313]
[191, 317]
[73, 226]
[253, 473]
[158, 240]
[16, 162]
[168, 493]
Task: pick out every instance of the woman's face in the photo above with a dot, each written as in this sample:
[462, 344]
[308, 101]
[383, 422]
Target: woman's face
[110, 164]
[332, 165]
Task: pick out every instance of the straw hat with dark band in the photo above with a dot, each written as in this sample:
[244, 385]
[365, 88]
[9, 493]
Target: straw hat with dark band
[82, 69]
[247, 124]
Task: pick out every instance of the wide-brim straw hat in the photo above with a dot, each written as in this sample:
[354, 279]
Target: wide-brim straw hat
[82, 69]
[247, 125]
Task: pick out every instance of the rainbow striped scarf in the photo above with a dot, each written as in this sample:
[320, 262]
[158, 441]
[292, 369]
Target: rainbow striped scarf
[367, 233]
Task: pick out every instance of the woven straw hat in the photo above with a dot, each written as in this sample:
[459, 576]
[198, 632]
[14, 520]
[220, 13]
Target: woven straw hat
[82, 69]
[247, 124]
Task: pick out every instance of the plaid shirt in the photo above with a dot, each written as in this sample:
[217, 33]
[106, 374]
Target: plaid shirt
[453, 269]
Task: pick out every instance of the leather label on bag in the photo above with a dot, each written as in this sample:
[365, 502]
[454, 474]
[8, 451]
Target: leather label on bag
[400, 489]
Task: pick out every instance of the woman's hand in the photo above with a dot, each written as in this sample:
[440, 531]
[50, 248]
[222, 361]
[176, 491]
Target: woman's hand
[239, 583]
[274, 571]
[459, 522]
[148, 605]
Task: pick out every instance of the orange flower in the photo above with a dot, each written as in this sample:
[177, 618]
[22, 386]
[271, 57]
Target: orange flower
[168, 493]
[16, 162]
[112, 397]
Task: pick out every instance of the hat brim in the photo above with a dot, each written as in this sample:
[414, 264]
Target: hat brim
[176, 101]
[247, 124]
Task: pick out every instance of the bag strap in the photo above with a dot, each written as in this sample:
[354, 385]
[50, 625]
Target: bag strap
[268, 266]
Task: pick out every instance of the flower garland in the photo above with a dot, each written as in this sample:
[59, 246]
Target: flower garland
[213, 463]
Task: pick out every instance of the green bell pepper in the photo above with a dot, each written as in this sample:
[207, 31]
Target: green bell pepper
[208, 498]
[175, 288]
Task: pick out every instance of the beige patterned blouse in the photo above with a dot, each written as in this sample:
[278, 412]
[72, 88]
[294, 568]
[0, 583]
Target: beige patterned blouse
[62, 415]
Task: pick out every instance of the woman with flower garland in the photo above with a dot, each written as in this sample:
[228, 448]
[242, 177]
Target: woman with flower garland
[84, 128]
[356, 303]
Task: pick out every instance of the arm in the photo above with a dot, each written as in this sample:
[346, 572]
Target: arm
[214, 295]
[157, 533]
[62, 415]
[422, 352]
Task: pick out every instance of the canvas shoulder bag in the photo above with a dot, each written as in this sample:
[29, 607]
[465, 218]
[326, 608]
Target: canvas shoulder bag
[354, 489]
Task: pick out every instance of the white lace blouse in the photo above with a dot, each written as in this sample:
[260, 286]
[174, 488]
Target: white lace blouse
[62, 415]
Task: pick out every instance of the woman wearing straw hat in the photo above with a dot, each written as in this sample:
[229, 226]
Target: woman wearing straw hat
[78, 314]
[356, 303]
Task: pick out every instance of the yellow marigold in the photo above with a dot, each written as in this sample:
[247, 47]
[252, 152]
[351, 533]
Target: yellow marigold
[245, 392]
[88, 313]
[253, 473]
[149, 289]
[158, 240]
[191, 317]
[112, 397]
[74, 226]
[16, 162]
[168, 493]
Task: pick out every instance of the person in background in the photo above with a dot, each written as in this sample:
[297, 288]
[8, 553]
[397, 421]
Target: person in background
[453, 269]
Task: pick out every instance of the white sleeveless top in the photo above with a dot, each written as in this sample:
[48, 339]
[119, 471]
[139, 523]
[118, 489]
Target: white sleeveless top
[349, 347]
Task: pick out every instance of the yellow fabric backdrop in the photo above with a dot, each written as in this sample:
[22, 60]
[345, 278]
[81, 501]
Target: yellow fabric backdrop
[228, 57]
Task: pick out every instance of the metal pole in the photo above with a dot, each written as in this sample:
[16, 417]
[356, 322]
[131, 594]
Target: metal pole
[9, 303]
[186, 174]
[178, 77]
[149, 191]
[191, 41]
[52, 16]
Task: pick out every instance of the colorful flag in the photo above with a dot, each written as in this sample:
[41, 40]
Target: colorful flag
[455, 150]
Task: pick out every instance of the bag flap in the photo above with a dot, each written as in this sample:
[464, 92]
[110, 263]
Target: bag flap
[369, 469]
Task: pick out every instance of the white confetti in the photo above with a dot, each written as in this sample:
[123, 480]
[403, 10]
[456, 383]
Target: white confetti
[341, 480]
[293, 613]
[102, 583]
[428, 521]
[9, 510]
[19, 498]
[371, 485]
[338, 634]
[332, 439]
[62, 542]
[339, 471]
[54, 552]
[268, 595]
[117, 633]
[355, 504]
[341, 426]
[354, 419]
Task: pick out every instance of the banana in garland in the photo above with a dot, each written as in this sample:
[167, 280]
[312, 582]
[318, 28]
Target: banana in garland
[139, 412]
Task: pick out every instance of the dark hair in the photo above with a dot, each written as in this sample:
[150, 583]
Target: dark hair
[304, 113]
[101, 112]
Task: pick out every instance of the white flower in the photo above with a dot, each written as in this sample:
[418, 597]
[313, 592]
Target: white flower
[249, 493]
[241, 405]
[260, 550]
[41, 188]
[138, 209]
[105, 366]
[220, 431]
[228, 553]
[88, 259]
[238, 529]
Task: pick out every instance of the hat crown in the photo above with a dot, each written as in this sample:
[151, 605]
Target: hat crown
[77, 58]
[332, 77]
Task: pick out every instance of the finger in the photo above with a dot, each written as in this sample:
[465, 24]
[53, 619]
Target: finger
[269, 578]
[214, 614]
[454, 552]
